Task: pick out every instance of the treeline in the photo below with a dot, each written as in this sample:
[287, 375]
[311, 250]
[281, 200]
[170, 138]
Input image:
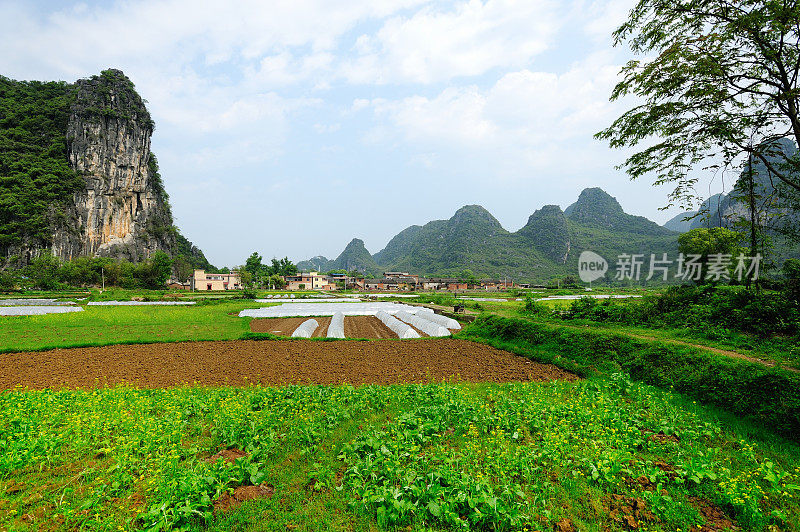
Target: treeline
[256, 273]
[47, 272]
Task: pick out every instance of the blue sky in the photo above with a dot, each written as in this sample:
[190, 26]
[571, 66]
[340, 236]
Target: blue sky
[291, 127]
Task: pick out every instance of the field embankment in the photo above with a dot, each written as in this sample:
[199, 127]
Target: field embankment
[745, 388]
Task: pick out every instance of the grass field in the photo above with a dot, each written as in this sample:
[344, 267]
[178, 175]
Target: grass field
[105, 325]
[600, 454]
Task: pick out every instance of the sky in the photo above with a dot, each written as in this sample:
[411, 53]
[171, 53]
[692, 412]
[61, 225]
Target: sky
[291, 127]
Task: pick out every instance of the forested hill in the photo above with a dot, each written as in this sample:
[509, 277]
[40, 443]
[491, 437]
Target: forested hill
[547, 246]
[77, 174]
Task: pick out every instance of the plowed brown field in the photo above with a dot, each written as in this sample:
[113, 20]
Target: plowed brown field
[286, 326]
[271, 362]
[354, 327]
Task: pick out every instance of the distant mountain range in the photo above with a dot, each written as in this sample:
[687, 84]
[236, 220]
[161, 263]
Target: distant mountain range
[729, 210]
[547, 246]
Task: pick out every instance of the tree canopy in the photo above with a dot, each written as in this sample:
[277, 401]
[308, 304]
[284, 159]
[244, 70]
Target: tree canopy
[35, 177]
[718, 81]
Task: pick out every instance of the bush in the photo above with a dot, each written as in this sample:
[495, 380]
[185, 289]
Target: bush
[770, 395]
[705, 307]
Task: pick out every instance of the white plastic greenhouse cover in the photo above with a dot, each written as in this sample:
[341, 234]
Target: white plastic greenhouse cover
[444, 321]
[401, 329]
[306, 329]
[423, 324]
[309, 308]
[336, 327]
[311, 300]
[139, 303]
[37, 310]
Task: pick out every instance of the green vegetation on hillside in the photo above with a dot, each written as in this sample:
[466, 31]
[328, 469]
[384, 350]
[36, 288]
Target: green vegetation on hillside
[36, 181]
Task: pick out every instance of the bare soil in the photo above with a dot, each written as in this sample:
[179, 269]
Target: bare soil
[366, 327]
[271, 362]
[230, 500]
[354, 327]
[286, 326]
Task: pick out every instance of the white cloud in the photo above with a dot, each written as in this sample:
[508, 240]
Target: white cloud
[468, 40]
[525, 107]
[527, 120]
[605, 16]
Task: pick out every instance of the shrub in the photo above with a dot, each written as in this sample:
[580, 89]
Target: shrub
[698, 307]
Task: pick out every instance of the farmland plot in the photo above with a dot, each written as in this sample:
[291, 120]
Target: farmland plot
[438, 456]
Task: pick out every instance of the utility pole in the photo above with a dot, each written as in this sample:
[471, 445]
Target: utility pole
[103, 277]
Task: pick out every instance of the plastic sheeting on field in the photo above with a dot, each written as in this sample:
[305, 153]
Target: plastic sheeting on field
[422, 323]
[310, 300]
[402, 330]
[444, 321]
[138, 303]
[305, 308]
[37, 310]
[388, 295]
[336, 327]
[33, 303]
[306, 329]
[593, 296]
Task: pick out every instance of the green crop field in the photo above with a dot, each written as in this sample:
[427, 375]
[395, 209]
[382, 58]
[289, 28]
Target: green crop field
[106, 325]
[600, 454]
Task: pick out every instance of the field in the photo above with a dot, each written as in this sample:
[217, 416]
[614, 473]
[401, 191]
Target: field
[244, 431]
[114, 325]
[594, 455]
[269, 362]
[354, 327]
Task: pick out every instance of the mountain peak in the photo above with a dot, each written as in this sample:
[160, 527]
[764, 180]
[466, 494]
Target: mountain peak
[593, 202]
[473, 214]
[597, 208]
[356, 257]
[355, 244]
[548, 232]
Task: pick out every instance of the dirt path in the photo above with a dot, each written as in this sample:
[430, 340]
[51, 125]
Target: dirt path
[271, 362]
[724, 352]
[286, 326]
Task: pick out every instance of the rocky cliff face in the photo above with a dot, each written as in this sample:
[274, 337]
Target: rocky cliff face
[123, 211]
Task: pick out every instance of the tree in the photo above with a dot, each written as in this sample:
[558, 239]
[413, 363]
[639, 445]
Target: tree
[253, 264]
[183, 268]
[569, 281]
[467, 276]
[247, 278]
[286, 267]
[276, 281]
[43, 271]
[719, 82]
[713, 241]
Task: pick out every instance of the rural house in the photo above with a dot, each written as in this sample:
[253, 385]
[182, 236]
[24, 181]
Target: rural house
[201, 280]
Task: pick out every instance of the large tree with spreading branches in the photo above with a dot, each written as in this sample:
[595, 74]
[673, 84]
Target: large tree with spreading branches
[716, 84]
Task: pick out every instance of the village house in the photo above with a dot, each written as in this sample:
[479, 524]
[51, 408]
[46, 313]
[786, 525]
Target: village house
[201, 280]
[309, 281]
